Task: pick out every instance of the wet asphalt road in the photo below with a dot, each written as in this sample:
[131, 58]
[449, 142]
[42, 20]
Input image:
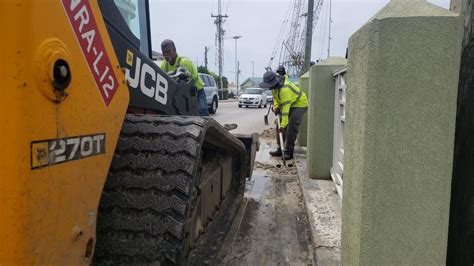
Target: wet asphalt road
[271, 226]
[249, 119]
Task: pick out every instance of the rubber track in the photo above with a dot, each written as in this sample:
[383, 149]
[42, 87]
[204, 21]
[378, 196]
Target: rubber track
[146, 197]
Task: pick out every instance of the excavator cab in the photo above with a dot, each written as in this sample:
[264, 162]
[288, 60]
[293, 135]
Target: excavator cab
[151, 89]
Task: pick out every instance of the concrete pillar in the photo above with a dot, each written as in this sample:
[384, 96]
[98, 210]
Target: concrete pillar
[401, 96]
[321, 117]
[455, 6]
[303, 135]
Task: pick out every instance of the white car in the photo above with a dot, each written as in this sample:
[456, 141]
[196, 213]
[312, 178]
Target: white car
[269, 96]
[253, 97]
[210, 88]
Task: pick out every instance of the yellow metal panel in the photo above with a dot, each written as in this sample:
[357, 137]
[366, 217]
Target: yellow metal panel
[48, 211]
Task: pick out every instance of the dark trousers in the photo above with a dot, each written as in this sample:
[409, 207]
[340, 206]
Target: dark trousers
[202, 103]
[293, 128]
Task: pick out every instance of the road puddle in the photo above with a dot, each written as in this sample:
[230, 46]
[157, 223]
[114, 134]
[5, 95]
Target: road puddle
[271, 227]
[258, 185]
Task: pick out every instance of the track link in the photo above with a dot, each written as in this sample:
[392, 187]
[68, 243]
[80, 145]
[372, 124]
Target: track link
[147, 195]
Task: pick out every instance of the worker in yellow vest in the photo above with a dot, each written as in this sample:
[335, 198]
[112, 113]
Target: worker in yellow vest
[292, 104]
[282, 71]
[173, 61]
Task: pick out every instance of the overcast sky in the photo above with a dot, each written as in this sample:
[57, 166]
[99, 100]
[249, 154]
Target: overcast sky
[189, 24]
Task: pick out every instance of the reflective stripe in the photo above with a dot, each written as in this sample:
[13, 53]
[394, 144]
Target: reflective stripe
[285, 114]
[299, 93]
[167, 64]
[285, 103]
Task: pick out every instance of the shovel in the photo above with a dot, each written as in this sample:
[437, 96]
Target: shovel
[282, 145]
[265, 118]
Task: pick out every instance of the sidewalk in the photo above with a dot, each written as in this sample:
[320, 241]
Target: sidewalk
[323, 207]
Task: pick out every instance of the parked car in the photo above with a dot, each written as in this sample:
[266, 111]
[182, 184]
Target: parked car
[210, 87]
[269, 96]
[253, 97]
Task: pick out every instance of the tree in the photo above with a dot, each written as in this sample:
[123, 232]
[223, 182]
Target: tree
[203, 69]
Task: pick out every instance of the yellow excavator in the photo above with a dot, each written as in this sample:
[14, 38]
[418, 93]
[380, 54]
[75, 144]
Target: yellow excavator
[104, 160]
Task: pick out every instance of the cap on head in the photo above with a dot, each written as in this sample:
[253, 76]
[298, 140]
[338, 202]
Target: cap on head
[270, 80]
[281, 70]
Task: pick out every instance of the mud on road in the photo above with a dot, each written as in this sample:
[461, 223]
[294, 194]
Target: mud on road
[271, 227]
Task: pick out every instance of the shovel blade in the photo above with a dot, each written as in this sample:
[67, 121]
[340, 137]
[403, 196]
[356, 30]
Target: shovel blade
[265, 118]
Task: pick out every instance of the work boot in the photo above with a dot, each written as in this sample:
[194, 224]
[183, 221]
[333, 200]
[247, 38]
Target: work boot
[288, 155]
[276, 153]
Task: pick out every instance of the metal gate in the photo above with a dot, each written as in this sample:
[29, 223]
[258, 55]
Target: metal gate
[339, 121]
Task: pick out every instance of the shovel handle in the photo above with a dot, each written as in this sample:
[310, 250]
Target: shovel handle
[265, 118]
[269, 108]
[282, 145]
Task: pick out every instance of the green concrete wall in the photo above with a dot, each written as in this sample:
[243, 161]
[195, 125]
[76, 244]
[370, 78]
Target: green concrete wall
[321, 117]
[303, 135]
[403, 73]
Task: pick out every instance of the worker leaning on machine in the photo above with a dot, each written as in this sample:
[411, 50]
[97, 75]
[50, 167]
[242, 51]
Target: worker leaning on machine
[291, 103]
[173, 61]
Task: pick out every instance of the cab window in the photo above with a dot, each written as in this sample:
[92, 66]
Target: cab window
[212, 81]
[135, 14]
[205, 79]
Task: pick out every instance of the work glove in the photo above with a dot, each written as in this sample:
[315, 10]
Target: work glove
[181, 73]
[277, 111]
[282, 130]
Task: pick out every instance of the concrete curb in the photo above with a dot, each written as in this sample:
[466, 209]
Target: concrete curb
[323, 208]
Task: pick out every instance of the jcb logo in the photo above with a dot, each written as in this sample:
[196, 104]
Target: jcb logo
[157, 89]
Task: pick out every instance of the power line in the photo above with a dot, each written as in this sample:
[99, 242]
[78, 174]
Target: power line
[329, 36]
[278, 42]
[227, 8]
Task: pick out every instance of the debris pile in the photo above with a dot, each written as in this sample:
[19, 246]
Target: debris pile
[268, 133]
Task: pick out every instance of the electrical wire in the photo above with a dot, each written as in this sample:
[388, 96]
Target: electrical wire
[227, 8]
[279, 40]
[325, 31]
[319, 28]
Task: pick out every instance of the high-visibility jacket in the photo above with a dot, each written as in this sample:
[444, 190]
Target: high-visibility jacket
[289, 96]
[184, 62]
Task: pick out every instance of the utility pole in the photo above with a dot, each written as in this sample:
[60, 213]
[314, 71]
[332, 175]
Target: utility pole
[309, 36]
[238, 72]
[206, 49]
[220, 39]
[236, 64]
[330, 21]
